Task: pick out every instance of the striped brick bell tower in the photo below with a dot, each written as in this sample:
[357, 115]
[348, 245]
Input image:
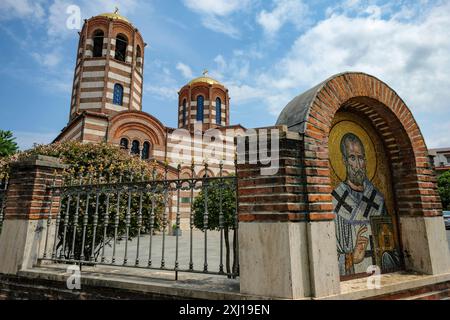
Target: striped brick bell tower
[109, 68]
[203, 100]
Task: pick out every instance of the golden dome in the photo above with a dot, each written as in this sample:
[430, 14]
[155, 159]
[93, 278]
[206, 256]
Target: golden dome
[114, 15]
[204, 78]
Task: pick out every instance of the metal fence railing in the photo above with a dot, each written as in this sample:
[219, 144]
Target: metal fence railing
[134, 220]
[3, 188]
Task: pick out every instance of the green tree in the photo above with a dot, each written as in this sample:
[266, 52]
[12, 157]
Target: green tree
[444, 189]
[7, 144]
[98, 163]
[219, 193]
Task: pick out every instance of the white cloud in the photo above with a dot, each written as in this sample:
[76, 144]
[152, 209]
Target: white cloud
[285, 11]
[242, 93]
[216, 7]
[51, 59]
[221, 63]
[436, 133]
[162, 92]
[412, 57]
[10, 9]
[221, 25]
[215, 14]
[185, 70]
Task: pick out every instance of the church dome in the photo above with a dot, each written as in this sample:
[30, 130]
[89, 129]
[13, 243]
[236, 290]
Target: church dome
[205, 100]
[204, 78]
[114, 16]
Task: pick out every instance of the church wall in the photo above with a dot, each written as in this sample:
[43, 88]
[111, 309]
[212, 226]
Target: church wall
[94, 129]
[72, 133]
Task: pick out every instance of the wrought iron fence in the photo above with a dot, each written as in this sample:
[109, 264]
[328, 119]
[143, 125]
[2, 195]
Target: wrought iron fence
[3, 188]
[124, 220]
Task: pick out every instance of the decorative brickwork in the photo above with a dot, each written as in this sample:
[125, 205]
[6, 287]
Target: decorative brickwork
[28, 197]
[278, 197]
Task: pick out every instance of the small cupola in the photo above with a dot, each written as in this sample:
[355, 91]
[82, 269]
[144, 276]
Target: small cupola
[203, 100]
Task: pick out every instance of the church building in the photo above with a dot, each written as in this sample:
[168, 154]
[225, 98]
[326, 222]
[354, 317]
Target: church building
[106, 104]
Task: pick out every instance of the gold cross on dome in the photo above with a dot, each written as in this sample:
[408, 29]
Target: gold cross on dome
[205, 72]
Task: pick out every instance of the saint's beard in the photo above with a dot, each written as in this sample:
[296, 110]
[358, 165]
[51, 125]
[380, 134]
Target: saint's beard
[356, 176]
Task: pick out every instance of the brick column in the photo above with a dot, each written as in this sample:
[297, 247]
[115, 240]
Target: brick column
[423, 238]
[283, 254]
[27, 210]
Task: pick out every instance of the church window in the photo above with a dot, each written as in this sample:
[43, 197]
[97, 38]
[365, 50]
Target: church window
[124, 143]
[200, 105]
[146, 150]
[218, 111]
[80, 52]
[138, 55]
[135, 147]
[118, 94]
[121, 47]
[98, 43]
[184, 112]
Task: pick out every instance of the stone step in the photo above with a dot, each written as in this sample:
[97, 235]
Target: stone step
[432, 295]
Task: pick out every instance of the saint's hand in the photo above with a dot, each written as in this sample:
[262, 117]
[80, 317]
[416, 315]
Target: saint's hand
[361, 245]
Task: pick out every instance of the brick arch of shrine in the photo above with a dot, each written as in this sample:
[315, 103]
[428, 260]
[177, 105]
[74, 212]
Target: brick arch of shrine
[312, 115]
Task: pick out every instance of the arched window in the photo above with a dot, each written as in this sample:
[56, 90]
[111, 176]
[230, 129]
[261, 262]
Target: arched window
[81, 52]
[98, 43]
[218, 111]
[121, 47]
[135, 147]
[146, 150]
[124, 143]
[200, 104]
[184, 112]
[138, 56]
[118, 94]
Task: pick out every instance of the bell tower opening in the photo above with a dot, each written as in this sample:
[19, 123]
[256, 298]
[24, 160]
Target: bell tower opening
[98, 43]
[121, 47]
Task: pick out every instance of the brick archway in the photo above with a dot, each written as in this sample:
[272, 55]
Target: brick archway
[312, 114]
[142, 126]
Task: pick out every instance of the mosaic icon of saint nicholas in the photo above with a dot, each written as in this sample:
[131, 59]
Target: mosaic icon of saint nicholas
[355, 201]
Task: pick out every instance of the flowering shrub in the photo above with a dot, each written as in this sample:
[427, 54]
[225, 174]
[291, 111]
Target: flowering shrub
[84, 158]
[97, 163]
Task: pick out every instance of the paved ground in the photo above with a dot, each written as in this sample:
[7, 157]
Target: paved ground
[198, 250]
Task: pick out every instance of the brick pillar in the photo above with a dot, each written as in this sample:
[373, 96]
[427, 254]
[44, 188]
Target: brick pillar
[283, 254]
[27, 209]
[424, 240]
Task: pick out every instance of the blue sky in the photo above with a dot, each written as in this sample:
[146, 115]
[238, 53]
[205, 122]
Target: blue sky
[265, 51]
